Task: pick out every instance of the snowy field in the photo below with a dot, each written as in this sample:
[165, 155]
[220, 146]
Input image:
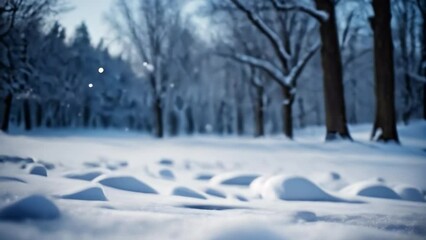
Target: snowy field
[113, 185]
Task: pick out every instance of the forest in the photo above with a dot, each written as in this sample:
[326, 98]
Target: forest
[251, 68]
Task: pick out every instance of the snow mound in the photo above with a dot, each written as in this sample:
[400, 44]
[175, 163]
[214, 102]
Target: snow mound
[329, 180]
[47, 165]
[126, 183]
[11, 179]
[373, 189]
[305, 216]
[239, 179]
[85, 175]
[115, 165]
[87, 194]
[92, 164]
[204, 176]
[250, 231]
[166, 174]
[34, 207]
[241, 198]
[294, 188]
[37, 169]
[166, 162]
[215, 192]
[257, 184]
[409, 193]
[186, 192]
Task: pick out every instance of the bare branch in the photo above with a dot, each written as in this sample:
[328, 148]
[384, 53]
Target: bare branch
[266, 30]
[320, 16]
[297, 70]
[417, 77]
[268, 67]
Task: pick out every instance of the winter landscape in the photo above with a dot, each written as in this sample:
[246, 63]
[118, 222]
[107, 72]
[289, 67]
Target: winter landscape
[212, 119]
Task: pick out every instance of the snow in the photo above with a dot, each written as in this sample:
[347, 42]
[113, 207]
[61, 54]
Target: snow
[87, 194]
[167, 174]
[186, 192]
[166, 162]
[87, 175]
[242, 179]
[204, 176]
[301, 189]
[294, 188]
[373, 188]
[126, 183]
[215, 192]
[409, 193]
[34, 207]
[37, 169]
[247, 232]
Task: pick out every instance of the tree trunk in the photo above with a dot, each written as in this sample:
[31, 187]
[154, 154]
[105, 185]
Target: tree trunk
[287, 112]
[385, 119]
[423, 56]
[86, 115]
[240, 119]
[190, 125]
[302, 113]
[408, 98]
[6, 113]
[259, 112]
[333, 78]
[173, 120]
[27, 114]
[39, 114]
[158, 121]
[424, 101]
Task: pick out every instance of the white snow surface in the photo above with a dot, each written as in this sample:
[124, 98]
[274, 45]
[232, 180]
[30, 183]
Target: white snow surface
[98, 186]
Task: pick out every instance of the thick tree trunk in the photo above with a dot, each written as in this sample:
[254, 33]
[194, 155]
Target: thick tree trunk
[384, 73]
[6, 113]
[27, 115]
[333, 78]
[288, 112]
[259, 113]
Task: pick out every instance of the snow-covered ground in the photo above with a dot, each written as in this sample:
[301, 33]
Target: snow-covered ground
[113, 185]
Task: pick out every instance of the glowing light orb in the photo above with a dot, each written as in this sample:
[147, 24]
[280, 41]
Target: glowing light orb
[90, 85]
[101, 70]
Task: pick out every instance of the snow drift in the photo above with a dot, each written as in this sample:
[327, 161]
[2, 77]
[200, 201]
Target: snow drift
[126, 183]
[294, 188]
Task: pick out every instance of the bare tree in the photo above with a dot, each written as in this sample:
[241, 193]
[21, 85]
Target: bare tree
[290, 58]
[147, 30]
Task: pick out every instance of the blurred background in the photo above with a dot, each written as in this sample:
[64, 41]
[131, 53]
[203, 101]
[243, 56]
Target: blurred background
[180, 67]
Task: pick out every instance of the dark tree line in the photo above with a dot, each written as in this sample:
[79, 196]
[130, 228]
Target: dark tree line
[47, 82]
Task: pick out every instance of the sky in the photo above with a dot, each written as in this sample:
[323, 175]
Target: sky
[92, 13]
